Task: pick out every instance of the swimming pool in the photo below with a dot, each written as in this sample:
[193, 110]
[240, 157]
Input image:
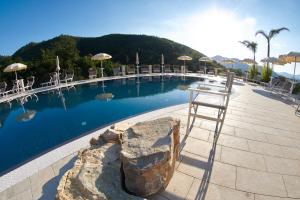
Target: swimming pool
[32, 126]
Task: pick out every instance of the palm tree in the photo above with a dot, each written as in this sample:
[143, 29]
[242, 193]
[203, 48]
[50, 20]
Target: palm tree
[269, 36]
[253, 47]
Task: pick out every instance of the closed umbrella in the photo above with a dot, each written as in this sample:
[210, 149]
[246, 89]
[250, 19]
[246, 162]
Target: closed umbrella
[162, 62]
[137, 62]
[101, 57]
[57, 68]
[14, 68]
[291, 57]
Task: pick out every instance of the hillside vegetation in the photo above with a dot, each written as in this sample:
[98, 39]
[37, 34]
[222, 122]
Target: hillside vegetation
[75, 54]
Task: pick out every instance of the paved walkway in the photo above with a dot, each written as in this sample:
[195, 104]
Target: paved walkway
[257, 155]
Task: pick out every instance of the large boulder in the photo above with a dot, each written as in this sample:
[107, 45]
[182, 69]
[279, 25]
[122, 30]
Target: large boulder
[96, 175]
[148, 155]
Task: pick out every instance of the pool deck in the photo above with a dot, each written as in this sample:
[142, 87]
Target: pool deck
[257, 156]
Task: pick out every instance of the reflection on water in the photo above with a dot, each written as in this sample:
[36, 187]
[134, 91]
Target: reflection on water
[40, 122]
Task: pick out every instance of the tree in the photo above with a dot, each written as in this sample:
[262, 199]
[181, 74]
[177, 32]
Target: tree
[272, 33]
[253, 47]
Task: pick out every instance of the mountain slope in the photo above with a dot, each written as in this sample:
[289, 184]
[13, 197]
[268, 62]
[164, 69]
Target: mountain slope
[122, 48]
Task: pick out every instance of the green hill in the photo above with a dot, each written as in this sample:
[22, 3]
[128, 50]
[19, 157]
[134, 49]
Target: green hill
[75, 53]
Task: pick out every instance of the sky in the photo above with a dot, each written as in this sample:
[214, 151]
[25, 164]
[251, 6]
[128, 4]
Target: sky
[212, 27]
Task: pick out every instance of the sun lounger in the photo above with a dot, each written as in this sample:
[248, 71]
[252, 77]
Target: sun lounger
[117, 71]
[29, 83]
[3, 87]
[214, 99]
[167, 68]
[144, 69]
[92, 73]
[130, 69]
[53, 80]
[176, 69]
[68, 76]
[156, 68]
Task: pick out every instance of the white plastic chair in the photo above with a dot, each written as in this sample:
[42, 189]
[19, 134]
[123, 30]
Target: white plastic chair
[210, 99]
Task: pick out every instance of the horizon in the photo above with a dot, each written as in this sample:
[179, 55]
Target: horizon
[212, 28]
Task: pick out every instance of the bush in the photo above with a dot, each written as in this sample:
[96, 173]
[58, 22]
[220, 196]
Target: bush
[252, 72]
[266, 74]
[297, 89]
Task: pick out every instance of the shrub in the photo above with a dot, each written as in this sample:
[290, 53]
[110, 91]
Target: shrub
[252, 72]
[297, 89]
[266, 74]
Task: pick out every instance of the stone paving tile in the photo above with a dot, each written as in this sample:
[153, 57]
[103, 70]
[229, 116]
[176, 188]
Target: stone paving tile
[199, 167]
[215, 192]
[25, 195]
[178, 187]
[199, 133]
[260, 182]
[282, 165]
[292, 184]
[292, 153]
[231, 141]
[228, 130]
[250, 134]
[283, 141]
[263, 197]
[200, 148]
[265, 148]
[243, 158]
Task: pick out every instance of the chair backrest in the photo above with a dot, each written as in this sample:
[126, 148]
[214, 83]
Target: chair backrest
[131, 68]
[92, 72]
[167, 66]
[30, 81]
[3, 86]
[116, 71]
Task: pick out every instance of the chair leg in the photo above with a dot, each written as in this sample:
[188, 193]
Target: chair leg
[189, 114]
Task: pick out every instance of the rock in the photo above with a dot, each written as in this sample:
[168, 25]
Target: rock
[148, 155]
[111, 136]
[96, 175]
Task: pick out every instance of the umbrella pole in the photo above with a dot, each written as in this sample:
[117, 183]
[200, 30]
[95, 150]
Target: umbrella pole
[101, 69]
[16, 75]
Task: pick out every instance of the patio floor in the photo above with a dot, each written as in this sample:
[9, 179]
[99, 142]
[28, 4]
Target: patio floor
[257, 155]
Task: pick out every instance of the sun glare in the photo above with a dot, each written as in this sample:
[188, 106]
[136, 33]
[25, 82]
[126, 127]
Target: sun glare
[214, 31]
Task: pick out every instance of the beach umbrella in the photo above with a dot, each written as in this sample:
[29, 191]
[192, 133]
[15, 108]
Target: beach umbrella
[104, 96]
[228, 61]
[273, 61]
[14, 68]
[205, 60]
[249, 61]
[291, 57]
[184, 58]
[101, 57]
[26, 116]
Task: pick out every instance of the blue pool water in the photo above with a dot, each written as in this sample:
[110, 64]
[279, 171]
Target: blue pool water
[34, 126]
